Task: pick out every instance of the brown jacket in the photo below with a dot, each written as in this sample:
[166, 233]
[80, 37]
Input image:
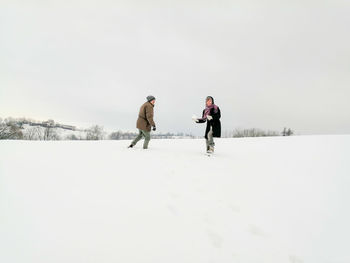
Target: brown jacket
[145, 120]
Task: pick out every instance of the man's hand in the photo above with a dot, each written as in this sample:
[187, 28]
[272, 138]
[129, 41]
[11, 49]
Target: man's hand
[209, 117]
[154, 128]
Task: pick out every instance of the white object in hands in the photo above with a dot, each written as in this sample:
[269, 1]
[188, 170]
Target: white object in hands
[194, 118]
[209, 117]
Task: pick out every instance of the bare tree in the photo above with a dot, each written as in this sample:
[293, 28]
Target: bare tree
[50, 134]
[42, 134]
[254, 132]
[30, 134]
[115, 135]
[10, 131]
[39, 131]
[95, 133]
[34, 133]
[287, 132]
[72, 137]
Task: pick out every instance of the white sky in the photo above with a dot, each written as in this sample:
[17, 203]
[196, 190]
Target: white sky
[268, 64]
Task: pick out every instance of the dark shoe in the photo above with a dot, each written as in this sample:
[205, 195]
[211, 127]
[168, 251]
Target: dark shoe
[130, 146]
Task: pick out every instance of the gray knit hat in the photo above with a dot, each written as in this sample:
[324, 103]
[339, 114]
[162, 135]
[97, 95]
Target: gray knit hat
[150, 98]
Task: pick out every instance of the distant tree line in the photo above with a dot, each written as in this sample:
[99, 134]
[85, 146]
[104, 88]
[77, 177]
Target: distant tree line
[10, 129]
[255, 132]
[14, 129]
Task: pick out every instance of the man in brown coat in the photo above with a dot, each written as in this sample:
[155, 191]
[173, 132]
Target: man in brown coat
[145, 122]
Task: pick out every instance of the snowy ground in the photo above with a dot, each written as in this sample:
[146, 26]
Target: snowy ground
[278, 199]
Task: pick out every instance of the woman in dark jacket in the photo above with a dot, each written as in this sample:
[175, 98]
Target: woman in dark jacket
[211, 115]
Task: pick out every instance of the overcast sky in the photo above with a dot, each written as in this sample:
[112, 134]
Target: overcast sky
[268, 64]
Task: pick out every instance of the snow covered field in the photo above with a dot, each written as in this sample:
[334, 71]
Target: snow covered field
[278, 199]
